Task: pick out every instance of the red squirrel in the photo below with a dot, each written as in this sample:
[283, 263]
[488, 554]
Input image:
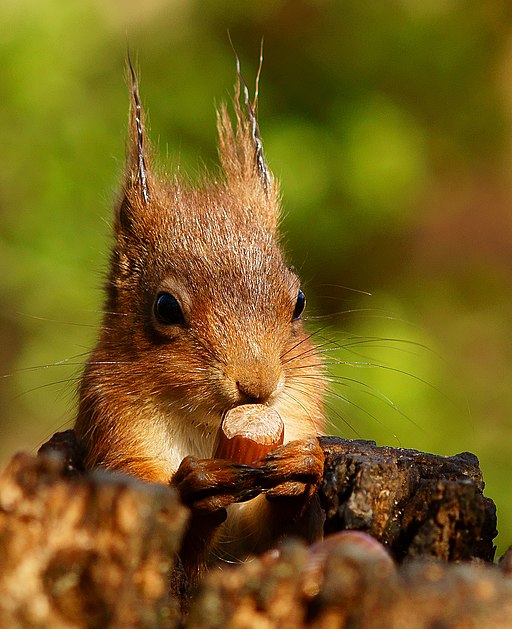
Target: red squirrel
[203, 314]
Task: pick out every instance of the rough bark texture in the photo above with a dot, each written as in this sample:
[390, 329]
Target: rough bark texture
[91, 551]
[353, 591]
[417, 504]
[96, 549]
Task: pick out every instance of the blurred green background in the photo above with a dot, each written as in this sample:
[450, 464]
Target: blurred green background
[389, 125]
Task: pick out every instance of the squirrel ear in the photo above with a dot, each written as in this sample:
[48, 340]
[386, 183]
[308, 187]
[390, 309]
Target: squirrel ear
[136, 192]
[241, 152]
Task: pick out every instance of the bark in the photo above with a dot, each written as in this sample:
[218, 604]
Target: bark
[353, 589]
[417, 504]
[85, 551]
[408, 543]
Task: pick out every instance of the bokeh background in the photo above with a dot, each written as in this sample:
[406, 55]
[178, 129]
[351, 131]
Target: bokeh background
[389, 125]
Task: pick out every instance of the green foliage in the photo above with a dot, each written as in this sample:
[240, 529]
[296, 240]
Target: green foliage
[389, 127]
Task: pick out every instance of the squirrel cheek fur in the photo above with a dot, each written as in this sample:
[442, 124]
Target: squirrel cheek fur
[155, 389]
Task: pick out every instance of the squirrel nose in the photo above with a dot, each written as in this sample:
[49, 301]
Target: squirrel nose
[258, 383]
[251, 392]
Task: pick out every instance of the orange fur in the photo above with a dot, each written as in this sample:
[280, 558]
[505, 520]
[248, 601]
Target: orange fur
[152, 393]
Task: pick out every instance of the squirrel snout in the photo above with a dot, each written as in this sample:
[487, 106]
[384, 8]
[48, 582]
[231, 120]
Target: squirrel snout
[253, 391]
[258, 381]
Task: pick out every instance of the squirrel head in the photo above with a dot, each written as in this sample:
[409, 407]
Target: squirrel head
[203, 312]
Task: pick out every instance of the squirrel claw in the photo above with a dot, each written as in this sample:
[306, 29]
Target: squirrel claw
[212, 484]
[290, 468]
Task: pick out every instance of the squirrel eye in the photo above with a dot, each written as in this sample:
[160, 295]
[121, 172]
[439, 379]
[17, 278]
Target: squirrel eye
[299, 305]
[168, 310]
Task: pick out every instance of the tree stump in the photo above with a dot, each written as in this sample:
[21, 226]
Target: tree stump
[408, 543]
[85, 551]
[417, 504]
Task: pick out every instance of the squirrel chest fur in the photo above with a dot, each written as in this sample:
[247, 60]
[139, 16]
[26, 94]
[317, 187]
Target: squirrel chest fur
[203, 314]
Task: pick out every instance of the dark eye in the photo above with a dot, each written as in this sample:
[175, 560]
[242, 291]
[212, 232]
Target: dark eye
[168, 310]
[299, 305]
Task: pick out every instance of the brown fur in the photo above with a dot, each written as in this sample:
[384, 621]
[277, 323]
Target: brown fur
[153, 394]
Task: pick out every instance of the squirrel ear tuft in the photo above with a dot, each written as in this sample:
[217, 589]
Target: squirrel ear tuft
[136, 189]
[241, 150]
[136, 156]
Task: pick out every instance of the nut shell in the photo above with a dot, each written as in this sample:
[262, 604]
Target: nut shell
[248, 433]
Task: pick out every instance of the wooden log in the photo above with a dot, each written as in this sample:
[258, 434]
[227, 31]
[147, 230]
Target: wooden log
[85, 551]
[96, 549]
[417, 504]
[357, 591]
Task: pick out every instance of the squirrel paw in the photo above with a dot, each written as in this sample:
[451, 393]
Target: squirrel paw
[294, 469]
[208, 485]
